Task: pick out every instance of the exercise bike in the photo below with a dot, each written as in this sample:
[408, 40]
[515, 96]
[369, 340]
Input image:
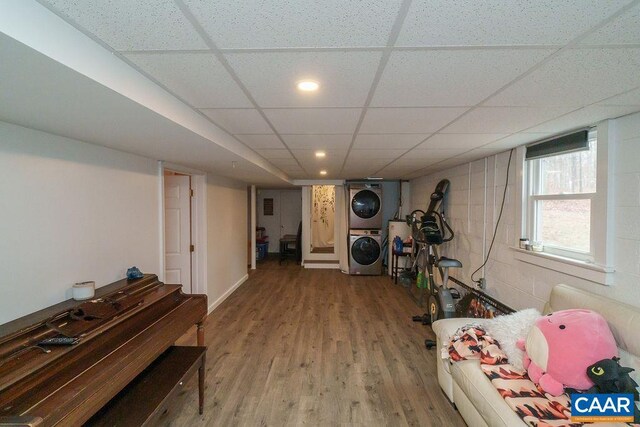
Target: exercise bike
[429, 230]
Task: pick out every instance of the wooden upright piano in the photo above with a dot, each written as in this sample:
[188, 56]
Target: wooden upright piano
[120, 333]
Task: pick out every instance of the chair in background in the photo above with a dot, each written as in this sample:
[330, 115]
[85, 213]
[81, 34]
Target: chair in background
[290, 245]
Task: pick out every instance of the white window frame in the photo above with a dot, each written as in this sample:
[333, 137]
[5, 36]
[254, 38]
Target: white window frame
[534, 183]
[596, 266]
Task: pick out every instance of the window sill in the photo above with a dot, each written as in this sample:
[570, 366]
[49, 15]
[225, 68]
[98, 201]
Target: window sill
[584, 270]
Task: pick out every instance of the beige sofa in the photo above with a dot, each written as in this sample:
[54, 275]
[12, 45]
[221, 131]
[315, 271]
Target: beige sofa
[470, 390]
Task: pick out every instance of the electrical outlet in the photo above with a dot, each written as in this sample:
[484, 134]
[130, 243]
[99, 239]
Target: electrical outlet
[482, 283]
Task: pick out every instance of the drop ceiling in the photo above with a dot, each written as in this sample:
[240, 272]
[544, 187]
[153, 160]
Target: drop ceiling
[406, 87]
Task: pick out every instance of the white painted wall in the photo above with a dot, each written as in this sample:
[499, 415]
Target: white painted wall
[226, 236]
[70, 212]
[516, 283]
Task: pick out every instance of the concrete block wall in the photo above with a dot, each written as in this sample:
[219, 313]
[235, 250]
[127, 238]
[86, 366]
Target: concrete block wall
[473, 206]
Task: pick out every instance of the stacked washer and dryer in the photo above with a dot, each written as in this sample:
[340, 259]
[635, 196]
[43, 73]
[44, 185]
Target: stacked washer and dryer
[365, 224]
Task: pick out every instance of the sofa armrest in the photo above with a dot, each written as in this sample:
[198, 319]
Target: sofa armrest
[444, 328]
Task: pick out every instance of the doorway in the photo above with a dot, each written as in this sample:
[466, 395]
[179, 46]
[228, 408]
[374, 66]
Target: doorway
[323, 211]
[178, 246]
[279, 213]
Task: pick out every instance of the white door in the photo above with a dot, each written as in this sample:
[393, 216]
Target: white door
[177, 235]
[291, 212]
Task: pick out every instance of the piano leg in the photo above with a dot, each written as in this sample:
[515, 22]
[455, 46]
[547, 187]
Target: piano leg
[201, 384]
[200, 335]
[200, 339]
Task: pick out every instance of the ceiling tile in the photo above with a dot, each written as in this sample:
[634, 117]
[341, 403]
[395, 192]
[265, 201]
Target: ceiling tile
[368, 154]
[388, 173]
[274, 154]
[314, 120]
[133, 25]
[359, 173]
[576, 77]
[274, 23]
[459, 140]
[238, 120]
[331, 157]
[450, 77]
[406, 165]
[292, 169]
[624, 29]
[285, 162]
[261, 141]
[503, 119]
[517, 140]
[445, 164]
[314, 168]
[318, 142]
[198, 78]
[408, 120]
[478, 153]
[358, 163]
[332, 163]
[501, 22]
[295, 172]
[584, 117]
[628, 98]
[345, 77]
[387, 141]
[433, 154]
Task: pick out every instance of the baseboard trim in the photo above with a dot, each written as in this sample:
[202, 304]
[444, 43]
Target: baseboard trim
[226, 295]
[323, 261]
[321, 265]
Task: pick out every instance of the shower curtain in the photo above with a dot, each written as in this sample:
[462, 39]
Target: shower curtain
[323, 210]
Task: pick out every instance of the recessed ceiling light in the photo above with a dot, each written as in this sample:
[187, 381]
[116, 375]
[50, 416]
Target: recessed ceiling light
[323, 172]
[320, 154]
[308, 85]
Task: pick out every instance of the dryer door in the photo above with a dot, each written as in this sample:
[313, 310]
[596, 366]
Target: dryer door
[365, 204]
[365, 250]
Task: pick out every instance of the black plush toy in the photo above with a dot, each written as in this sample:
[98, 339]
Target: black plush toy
[609, 377]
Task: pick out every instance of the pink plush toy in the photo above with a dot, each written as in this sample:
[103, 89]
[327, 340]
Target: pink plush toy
[560, 347]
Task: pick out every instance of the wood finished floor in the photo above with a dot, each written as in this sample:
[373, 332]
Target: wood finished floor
[316, 347]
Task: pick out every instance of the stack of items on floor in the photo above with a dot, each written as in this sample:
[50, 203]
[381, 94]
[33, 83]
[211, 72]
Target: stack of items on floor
[534, 366]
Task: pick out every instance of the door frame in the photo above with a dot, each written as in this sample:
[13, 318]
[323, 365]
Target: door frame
[338, 237]
[198, 224]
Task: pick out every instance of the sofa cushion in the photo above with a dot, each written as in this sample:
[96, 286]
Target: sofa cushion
[483, 395]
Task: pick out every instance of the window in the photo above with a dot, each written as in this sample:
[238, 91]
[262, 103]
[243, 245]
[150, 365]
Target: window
[561, 189]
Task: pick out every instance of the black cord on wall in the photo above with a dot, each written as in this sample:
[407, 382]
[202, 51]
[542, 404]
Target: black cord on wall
[495, 231]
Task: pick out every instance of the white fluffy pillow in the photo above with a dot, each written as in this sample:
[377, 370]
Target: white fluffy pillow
[510, 328]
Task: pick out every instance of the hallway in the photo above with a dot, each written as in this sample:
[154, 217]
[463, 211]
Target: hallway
[317, 347]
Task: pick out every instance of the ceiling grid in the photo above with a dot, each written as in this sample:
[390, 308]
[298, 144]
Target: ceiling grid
[405, 86]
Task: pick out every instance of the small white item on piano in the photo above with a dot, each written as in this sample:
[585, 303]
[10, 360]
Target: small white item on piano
[84, 290]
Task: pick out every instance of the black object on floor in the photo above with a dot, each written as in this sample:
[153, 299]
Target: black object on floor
[429, 344]
[424, 319]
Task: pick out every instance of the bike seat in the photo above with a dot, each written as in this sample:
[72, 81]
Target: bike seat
[448, 262]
